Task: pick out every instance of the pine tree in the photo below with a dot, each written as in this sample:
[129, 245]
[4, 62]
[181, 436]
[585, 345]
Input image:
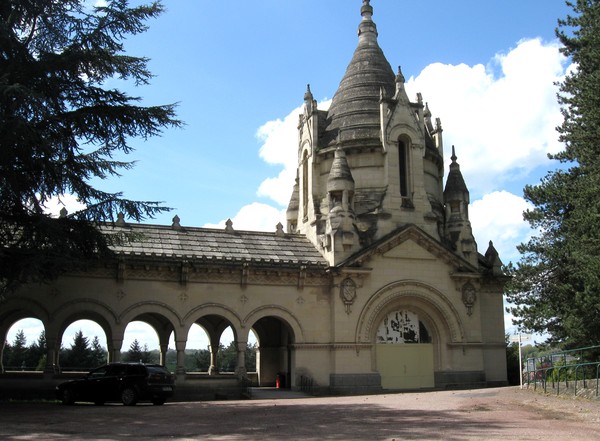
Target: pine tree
[61, 125]
[18, 352]
[37, 351]
[556, 285]
[98, 355]
[79, 356]
[135, 353]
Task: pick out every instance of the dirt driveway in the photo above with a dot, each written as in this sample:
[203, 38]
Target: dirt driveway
[485, 414]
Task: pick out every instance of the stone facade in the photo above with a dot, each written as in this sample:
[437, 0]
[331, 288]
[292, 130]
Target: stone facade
[376, 285]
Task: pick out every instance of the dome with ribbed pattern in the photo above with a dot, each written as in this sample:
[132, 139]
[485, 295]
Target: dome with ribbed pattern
[353, 117]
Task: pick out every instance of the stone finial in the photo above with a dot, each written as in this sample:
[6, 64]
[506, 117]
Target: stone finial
[229, 226]
[399, 76]
[176, 223]
[279, 232]
[308, 96]
[63, 213]
[493, 258]
[120, 220]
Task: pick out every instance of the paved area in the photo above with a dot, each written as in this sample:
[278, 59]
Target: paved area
[485, 414]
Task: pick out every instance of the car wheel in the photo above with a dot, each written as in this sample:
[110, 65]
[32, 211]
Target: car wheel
[68, 397]
[159, 401]
[129, 397]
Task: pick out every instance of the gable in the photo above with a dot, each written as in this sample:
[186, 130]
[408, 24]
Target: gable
[409, 249]
[410, 242]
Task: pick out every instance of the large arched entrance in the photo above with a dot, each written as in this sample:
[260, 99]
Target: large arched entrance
[404, 351]
[274, 356]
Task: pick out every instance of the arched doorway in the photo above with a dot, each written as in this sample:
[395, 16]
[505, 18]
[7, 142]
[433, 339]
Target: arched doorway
[274, 355]
[404, 351]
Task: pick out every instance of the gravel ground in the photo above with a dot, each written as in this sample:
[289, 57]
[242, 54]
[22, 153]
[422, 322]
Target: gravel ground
[483, 414]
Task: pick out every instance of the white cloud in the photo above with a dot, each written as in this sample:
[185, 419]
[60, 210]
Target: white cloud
[280, 147]
[502, 125]
[68, 202]
[255, 217]
[498, 216]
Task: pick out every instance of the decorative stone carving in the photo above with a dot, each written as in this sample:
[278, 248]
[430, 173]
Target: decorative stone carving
[469, 296]
[348, 293]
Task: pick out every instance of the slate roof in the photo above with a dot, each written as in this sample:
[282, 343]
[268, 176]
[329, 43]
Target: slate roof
[217, 245]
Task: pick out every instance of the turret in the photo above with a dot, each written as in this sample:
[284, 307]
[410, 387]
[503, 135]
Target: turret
[341, 238]
[458, 227]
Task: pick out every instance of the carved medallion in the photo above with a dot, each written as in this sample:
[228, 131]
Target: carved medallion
[348, 293]
[469, 296]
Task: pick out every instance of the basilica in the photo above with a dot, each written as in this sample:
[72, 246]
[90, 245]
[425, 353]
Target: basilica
[374, 284]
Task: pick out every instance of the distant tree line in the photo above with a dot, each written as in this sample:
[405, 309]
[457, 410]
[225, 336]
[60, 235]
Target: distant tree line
[84, 354]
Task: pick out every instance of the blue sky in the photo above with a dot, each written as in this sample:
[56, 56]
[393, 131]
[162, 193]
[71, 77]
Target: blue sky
[239, 70]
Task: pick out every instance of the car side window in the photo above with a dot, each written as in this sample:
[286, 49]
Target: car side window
[135, 369]
[98, 373]
[116, 371]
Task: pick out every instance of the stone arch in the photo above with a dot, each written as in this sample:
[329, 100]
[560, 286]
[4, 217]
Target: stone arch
[15, 309]
[157, 314]
[404, 132]
[433, 303]
[278, 312]
[214, 309]
[277, 331]
[85, 309]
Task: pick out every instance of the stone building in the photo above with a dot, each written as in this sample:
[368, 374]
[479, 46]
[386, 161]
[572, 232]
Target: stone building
[376, 284]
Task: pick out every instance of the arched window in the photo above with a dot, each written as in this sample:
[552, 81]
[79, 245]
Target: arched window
[403, 168]
[305, 185]
[402, 326]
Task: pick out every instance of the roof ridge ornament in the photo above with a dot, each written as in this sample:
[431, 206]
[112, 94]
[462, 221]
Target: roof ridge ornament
[229, 226]
[176, 225]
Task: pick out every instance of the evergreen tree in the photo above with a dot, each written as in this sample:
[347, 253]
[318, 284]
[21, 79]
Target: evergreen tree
[202, 360]
[79, 356]
[18, 352]
[98, 355]
[556, 284]
[37, 351]
[227, 357]
[137, 353]
[61, 125]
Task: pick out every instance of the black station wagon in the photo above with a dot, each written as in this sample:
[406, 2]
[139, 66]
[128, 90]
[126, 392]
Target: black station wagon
[125, 382]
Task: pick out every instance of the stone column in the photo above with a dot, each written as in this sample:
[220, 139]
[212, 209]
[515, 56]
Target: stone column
[180, 347]
[163, 353]
[114, 350]
[240, 370]
[214, 350]
[52, 363]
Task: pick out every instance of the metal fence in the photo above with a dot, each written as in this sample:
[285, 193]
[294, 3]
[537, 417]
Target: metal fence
[573, 370]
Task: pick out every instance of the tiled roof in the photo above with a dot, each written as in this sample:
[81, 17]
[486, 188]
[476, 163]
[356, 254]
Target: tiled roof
[219, 245]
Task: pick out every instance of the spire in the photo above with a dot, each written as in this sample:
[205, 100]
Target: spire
[355, 105]
[309, 102]
[456, 189]
[340, 176]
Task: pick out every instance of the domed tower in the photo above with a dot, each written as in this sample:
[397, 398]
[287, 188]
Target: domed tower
[392, 149]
